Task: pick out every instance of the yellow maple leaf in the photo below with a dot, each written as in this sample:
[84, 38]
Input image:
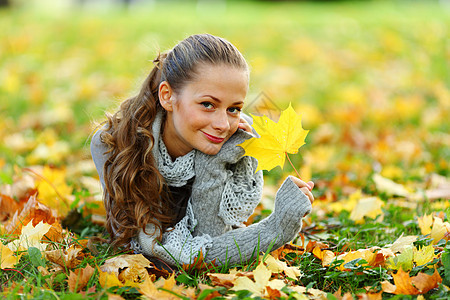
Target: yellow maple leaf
[30, 236]
[258, 287]
[165, 289]
[367, 207]
[7, 259]
[424, 255]
[440, 230]
[276, 139]
[124, 270]
[277, 266]
[54, 191]
[425, 223]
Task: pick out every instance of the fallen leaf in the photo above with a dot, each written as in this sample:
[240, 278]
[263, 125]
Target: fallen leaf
[402, 242]
[424, 255]
[79, 279]
[226, 280]
[367, 207]
[402, 261]
[440, 230]
[405, 285]
[113, 265]
[114, 297]
[277, 266]
[53, 190]
[165, 289]
[389, 187]
[262, 277]
[124, 270]
[369, 255]
[108, 280]
[34, 211]
[7, 257]
[317, 294]
[199, 264]
[68, 258]
[425, 224]
[326, 256]
[276, 139]
[31, 236]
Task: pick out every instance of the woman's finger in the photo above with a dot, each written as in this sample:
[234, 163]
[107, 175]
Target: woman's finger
[245, 126]
[308, 194]
[300, 183]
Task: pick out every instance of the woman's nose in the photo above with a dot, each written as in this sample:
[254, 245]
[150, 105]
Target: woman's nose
[220, 122]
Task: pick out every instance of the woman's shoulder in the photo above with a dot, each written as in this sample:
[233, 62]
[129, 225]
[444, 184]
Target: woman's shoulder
[97, 145]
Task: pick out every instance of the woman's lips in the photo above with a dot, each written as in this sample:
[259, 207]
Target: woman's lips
[213, 139]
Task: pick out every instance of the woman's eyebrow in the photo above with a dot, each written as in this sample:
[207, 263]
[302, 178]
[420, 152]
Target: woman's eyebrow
[218, 100]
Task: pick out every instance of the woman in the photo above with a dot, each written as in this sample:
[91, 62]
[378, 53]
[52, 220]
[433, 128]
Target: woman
[175, 182]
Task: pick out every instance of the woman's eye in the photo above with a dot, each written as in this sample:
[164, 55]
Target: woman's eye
[234, 110]
[207, 104]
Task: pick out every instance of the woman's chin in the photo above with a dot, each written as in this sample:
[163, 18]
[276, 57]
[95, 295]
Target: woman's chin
[211, 149]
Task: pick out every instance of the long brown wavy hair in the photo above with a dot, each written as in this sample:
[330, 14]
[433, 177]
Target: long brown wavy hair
[136, 193]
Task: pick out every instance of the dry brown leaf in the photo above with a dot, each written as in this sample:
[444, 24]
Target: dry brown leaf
[326, 256]
[199, 264]
[317, 294]
[315, 244]
[8, 207]
[79, 279]
[158, 290]
[226, 280]
[134, 273]
[66, 258]
[286, 249]
[91, 290]
[32, 211]
[274, 293]
[114, 297]
[277, 266]
[113, 265]
[406, 285]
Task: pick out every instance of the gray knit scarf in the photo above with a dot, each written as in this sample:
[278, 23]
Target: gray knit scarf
[178, 172]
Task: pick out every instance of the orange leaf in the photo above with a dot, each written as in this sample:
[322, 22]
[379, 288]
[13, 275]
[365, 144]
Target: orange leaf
[33, 210]
[199, 264]
[406, 285]
[79, 279]
[326, 256]
[66, 258]
[226, 280]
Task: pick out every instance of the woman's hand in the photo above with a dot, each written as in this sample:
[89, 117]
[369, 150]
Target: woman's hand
[306, 188]
[243, 124]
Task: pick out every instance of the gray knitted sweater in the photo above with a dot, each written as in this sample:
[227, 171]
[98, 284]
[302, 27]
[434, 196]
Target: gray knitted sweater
[225, 191]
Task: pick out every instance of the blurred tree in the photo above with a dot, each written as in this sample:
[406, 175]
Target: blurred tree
[4, 3]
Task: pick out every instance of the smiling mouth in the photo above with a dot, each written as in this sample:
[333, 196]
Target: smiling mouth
[213, 139]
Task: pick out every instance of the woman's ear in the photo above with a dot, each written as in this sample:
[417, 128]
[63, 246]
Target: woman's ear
[166, 96]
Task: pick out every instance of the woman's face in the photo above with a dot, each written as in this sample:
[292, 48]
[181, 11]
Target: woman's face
[205, 113]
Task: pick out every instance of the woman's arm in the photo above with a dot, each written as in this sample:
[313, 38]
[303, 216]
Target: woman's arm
[98, 149]
[235, 246]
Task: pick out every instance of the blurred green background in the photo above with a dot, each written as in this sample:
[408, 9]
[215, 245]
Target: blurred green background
[371, 78]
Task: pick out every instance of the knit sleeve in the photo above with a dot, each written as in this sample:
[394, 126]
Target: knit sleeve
[242, 192]
[177, 246]
[180, 246]
[240, 245]
[99, 156]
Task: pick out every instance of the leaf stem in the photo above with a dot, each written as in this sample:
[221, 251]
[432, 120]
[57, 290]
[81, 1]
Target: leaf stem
[298, 175]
